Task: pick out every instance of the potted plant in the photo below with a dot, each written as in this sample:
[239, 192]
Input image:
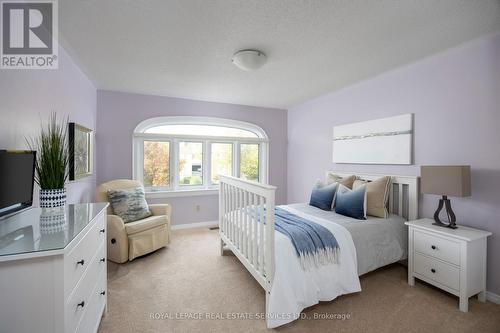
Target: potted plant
[51, 165]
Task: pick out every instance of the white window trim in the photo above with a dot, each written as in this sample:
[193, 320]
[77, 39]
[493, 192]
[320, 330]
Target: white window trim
[208, 188]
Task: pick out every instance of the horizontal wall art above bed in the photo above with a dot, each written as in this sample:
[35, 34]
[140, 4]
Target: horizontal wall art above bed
[381, 141]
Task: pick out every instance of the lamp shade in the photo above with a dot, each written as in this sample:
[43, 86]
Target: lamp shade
[450, 180]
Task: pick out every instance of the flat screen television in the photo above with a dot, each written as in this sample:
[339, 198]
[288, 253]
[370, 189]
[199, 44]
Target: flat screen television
[17, 174]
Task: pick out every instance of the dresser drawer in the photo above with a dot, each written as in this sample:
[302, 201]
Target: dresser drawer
[77, 261]
[79, 300]
[437, 247]
[436, 270]
[92, 315]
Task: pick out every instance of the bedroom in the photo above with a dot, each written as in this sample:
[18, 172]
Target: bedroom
[156, 92]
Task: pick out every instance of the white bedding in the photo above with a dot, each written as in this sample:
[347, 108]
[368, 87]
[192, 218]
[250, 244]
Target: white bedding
[378, 241]
[364, 246]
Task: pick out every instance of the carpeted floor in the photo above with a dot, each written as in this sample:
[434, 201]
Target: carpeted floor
[157, 293]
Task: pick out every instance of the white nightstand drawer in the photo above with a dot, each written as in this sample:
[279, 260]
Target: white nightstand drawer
[437, 247]
[436, 270]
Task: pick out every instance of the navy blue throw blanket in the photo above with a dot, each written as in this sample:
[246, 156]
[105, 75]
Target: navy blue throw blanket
[314, 244]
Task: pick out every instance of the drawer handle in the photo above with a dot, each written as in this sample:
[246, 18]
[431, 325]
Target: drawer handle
[103, 292]
[103, 259]
[433, 247]
[433, 270]
[102, 231]
[81, 262]
[81, 304]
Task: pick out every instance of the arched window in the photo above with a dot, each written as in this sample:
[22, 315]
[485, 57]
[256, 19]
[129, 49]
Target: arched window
[186, 155]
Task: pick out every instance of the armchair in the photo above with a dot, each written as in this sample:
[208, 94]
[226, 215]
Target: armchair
[127, 241]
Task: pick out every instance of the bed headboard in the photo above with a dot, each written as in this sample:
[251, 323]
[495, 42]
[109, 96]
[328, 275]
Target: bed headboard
[403, 193]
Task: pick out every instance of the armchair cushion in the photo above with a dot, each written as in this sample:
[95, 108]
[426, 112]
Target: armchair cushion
[145, 224]
[130, 204]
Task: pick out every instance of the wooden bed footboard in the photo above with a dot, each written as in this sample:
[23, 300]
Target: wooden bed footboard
[246, 226]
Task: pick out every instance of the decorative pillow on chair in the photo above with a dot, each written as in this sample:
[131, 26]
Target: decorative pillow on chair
[351, 203]
[323, 195]
[377, 194]
[129, 204]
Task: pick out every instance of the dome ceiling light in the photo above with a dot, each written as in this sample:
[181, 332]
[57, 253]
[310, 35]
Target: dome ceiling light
[249, 60]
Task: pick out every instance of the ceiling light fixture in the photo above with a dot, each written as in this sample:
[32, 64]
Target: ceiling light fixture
[249, 60]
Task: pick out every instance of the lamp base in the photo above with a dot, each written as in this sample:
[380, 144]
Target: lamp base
[451, 215]
[454, 226]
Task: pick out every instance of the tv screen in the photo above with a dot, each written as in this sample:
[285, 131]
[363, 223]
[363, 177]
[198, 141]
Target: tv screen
[17, 172]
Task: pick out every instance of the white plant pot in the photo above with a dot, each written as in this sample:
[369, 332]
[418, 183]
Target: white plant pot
[53, 199]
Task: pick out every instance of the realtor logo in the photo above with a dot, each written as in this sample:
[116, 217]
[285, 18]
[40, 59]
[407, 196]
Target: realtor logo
[29, 35]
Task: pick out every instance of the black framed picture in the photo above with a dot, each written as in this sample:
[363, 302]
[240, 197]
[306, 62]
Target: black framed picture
[80, 151]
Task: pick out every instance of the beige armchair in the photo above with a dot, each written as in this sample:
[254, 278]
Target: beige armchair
[127, 241]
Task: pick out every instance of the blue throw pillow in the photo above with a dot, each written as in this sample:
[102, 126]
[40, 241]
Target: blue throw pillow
[322, 196]
[351, 203]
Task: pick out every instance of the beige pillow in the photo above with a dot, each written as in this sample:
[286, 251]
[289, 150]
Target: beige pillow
[346, 181]
[377, 194]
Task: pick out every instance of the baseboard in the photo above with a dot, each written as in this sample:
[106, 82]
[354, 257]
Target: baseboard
[494, 298]
[207, 224]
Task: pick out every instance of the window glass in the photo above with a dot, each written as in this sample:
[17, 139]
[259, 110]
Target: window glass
[156, 164]
[221, 160]
[249, 161]
[201, 130]
[190, 163]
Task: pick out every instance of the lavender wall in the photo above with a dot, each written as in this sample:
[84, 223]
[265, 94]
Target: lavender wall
[26, 96]
[455, 97]
[119, 113]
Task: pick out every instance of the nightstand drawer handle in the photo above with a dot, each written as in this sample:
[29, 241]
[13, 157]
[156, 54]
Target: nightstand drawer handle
[433, 247]
[433, 270]
[103, 259]
[102, 231]
[103, 292]
[80, 262]
[81, 304]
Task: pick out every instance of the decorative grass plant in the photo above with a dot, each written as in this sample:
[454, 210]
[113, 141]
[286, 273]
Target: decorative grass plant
[52, 154]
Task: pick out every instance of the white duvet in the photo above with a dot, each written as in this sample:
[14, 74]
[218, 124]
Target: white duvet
[294, 289]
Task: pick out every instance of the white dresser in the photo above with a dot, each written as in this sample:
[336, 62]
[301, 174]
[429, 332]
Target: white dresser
[451, 259]
[53, 270]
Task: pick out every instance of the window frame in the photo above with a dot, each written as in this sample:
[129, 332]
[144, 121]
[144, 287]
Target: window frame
[203, 166]
[258, 160]
[208, 187]
[209, 151]
[139, 147]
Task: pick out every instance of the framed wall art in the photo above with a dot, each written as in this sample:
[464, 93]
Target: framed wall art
[80, 151]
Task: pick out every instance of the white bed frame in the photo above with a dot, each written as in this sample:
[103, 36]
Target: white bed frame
[253, 242]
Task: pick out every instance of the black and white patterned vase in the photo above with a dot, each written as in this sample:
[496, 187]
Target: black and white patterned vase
[52, 199]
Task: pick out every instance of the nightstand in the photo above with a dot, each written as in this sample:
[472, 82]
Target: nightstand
[451, 259]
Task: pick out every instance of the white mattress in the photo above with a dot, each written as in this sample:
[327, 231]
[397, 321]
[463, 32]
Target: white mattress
[378, 241]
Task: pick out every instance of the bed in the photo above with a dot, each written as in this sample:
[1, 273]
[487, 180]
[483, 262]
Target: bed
[271, 259]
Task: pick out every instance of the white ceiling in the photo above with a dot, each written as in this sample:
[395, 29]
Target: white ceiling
[182, 48]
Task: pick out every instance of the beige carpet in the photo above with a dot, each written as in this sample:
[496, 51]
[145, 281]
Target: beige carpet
[191, 277]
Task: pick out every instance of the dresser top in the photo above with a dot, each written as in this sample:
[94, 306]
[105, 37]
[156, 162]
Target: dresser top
[462, 232]
[35, 230]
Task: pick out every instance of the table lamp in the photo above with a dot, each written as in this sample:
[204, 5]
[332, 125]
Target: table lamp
[445, 180]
